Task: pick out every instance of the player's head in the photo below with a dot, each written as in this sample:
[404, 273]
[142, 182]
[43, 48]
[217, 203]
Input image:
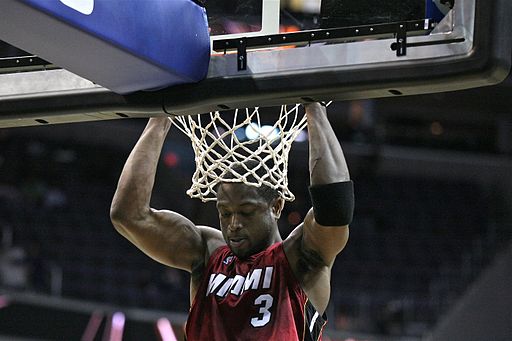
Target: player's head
[248, 216]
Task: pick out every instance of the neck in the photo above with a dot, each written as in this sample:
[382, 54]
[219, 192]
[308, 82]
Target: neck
[276, 238]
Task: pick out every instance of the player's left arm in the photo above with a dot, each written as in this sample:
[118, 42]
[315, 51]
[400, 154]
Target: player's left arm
[325, 230]
[313, 246]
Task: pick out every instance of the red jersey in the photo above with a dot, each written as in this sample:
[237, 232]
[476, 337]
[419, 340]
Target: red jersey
[257, 298]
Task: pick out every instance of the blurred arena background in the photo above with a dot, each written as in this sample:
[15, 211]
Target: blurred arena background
[433, 189]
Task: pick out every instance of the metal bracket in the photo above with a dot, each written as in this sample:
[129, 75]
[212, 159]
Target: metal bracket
[241, 56]
[339, 35]
[431, 42]
[401, 40]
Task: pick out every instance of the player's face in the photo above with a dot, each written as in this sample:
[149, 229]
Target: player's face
[248, 222]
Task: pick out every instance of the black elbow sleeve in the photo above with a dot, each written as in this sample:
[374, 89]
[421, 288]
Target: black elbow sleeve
[333, 204]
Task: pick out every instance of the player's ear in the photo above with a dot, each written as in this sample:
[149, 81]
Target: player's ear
[277, 207]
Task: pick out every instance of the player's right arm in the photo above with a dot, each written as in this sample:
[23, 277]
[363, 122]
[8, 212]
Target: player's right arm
[165, 236]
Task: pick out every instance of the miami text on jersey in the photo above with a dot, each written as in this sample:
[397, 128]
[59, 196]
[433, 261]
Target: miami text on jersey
[221, 285]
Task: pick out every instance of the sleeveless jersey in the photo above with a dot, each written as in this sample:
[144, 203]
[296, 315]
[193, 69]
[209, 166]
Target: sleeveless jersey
[258, 298]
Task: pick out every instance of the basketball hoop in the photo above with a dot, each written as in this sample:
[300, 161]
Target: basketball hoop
[223, 152]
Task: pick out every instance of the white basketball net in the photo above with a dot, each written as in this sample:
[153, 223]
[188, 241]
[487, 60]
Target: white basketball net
[219, 146]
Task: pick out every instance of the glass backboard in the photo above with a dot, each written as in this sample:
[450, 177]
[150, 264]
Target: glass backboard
[272, 52]
[260, 17]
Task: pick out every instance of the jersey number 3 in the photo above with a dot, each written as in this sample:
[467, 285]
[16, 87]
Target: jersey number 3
[265, 303]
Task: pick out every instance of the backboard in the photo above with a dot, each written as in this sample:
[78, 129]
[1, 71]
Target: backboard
[272, 52]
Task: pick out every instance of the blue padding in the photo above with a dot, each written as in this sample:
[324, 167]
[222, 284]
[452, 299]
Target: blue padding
[434, 10]
[124, 45]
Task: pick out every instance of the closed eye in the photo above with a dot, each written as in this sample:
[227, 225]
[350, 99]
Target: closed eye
[225, 214]
[247, 213]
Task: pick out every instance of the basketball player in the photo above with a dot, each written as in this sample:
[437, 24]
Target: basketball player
[246, 283]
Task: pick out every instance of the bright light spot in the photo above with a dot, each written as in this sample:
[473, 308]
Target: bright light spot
[165, 329]
[118, 320]
[253, 131]
[302, 136]
[117, 327]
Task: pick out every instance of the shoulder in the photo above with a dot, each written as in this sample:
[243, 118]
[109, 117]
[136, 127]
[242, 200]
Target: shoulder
[210, 234]
[212, 240]
[292, 243]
